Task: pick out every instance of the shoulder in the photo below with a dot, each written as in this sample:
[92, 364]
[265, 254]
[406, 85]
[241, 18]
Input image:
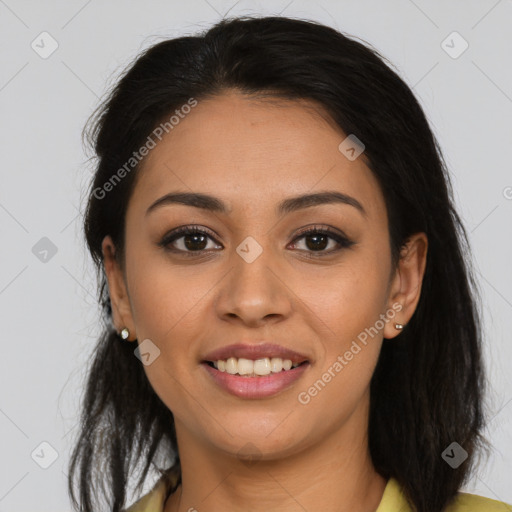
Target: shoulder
[466, 502]
[154, 500]
[393, 500]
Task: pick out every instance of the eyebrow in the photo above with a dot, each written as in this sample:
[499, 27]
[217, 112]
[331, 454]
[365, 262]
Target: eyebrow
[291, 204]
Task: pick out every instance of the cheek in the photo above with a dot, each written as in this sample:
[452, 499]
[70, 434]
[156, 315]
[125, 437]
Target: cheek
[165, 298]
[350, 348]
[348, 298]
[347, 307]
[166, 308]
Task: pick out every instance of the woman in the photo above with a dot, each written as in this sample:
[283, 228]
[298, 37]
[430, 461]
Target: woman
[292, 322]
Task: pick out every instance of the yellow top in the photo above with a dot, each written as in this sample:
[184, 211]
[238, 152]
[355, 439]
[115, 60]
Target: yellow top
[392, 500]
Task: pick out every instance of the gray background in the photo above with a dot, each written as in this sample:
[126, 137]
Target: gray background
[49, 313]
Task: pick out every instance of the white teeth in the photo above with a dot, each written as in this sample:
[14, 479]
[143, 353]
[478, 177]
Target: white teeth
[287, 364]
[231, 366]
[276, 364]
[243, 366]
[262, 366]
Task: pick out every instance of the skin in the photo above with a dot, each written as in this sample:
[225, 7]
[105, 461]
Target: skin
[252, 154]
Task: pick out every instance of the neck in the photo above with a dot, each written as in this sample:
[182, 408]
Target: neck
[335, 474]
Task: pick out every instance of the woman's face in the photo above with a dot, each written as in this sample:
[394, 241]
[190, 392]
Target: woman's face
[255, 278]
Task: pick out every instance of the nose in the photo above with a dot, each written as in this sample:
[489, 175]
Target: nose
[254, 292]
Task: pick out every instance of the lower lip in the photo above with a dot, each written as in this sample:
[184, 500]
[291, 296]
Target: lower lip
[256, 387]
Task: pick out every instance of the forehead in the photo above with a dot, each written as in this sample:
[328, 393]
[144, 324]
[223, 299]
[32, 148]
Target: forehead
[251, 151]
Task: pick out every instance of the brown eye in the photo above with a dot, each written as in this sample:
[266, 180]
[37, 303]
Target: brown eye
[317, 239]
[190, 239]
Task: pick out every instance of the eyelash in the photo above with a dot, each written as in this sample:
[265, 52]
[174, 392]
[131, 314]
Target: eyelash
[342, 241]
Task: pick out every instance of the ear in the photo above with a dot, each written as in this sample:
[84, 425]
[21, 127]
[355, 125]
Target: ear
[405, 288]
[121, 308]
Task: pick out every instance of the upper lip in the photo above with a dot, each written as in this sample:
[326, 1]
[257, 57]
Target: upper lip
[255, 351]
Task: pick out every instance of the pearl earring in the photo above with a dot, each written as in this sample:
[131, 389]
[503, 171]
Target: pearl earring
[125, 333]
